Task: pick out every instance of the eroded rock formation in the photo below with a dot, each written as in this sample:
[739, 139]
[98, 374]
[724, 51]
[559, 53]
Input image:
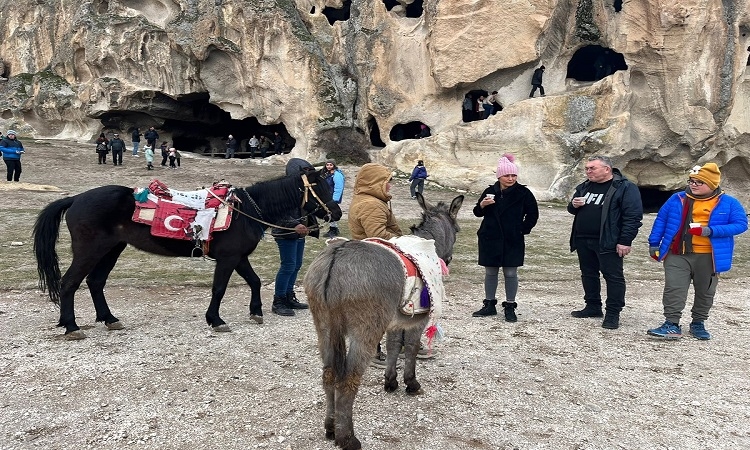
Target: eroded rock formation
[657, 85]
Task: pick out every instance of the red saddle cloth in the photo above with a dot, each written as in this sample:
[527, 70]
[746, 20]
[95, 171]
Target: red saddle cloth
[174, 220]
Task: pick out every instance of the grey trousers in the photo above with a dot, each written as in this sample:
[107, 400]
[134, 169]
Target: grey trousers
[679, 271]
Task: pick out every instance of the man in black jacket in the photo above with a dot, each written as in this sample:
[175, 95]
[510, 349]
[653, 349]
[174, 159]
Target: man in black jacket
[151, 137]
[118, 146]
[536, 81]
[608, 214]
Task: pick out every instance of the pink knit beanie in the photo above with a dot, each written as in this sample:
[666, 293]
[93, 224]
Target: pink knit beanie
[505, 165]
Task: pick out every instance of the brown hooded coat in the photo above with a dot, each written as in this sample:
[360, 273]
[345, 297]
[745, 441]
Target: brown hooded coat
[370, 214]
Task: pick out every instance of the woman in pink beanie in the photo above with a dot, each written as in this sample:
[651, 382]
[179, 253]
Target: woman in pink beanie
[509, 211]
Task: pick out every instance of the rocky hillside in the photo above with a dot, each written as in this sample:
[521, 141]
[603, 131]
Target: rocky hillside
[657, 85]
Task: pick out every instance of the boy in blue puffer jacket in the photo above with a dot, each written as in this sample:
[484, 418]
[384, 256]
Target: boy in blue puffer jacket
[12, 150]
[693, 235]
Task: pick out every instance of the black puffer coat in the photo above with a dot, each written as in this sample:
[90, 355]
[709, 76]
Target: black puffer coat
[501, 234]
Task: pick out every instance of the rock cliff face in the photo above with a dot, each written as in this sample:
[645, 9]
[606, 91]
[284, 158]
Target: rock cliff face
[658, 86]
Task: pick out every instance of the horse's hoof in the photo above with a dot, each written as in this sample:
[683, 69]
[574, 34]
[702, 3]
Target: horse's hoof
[76, 335]
[115, 325]
[330, 435]
[258, 319]
[223, 328]
[390, 386]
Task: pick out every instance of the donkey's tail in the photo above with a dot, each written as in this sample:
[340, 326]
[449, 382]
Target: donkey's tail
[46, 231]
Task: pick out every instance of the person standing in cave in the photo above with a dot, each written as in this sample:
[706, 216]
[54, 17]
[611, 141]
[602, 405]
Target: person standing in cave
[151, 137]
[536, 82]
[232, 145]
[278, 143]
[136, 139]
[252, 145]
[265, 144]
[480, 108]
[467, 108]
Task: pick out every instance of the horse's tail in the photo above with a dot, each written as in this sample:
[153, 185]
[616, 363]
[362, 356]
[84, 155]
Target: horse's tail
[46, 231]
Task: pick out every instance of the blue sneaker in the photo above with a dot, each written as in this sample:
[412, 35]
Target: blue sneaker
[668, 330]
[698, 330]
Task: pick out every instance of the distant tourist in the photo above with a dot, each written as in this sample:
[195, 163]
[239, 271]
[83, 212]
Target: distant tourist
[253, 144]
[164, 153]
[135, 137]
[151, 137]
[12, 150]
[536, 82]
[149, 152]
[418, 175]
[102, 148]
[265, 145]
[232, 145]
[117, 146]
[278, 143]
[467, 109]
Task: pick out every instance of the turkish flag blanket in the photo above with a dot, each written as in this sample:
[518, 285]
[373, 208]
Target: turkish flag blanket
[173, 220]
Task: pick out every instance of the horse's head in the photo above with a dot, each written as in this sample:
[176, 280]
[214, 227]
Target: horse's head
[439, 223]
[317, 198]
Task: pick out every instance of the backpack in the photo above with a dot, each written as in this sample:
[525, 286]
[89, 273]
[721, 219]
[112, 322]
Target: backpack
[102, 147]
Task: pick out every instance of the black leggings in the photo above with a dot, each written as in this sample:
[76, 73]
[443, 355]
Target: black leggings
[14, 169]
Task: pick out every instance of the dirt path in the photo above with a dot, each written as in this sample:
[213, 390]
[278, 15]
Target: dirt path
[548, 381]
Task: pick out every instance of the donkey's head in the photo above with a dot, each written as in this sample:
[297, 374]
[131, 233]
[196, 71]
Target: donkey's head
[439, 223]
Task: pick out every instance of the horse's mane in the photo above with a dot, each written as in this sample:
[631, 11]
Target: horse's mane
[275, 196]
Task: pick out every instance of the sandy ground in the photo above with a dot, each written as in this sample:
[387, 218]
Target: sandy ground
[548, 381]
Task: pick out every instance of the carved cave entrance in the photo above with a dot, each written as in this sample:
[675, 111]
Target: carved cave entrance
[594, 62]
[337, 14]
[413, 9]
[470, 116]
[409, 130]
[192, 124]
[653, 199]
[375, 140]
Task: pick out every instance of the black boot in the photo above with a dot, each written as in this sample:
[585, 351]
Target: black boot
[293, 303]
[589, 311]
[510, 311]
[487, 310]
[611, 320]
[280, 306]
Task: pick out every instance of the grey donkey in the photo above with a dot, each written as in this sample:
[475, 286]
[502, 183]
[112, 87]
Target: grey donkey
[354, 290]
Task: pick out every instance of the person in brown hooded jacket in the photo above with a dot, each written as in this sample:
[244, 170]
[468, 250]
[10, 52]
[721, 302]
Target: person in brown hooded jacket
[370, 214]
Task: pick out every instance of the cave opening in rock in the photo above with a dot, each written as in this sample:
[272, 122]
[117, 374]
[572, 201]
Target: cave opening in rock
[412, 10]
[403, 131]
[618, 5]
[192, 124]
[375, 140]
[653, 199]
[594, 62]
[342, 14]
[473, 114]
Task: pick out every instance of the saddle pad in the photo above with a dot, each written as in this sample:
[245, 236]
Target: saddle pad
[173, 220]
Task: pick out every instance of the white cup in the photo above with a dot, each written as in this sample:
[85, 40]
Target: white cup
[490, 196]
[695, 225]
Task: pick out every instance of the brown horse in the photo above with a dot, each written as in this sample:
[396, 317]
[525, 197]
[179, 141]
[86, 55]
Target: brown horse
[101, 226]
[354, 289]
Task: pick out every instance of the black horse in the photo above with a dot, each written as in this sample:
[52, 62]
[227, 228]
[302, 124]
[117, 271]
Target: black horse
[101, 226]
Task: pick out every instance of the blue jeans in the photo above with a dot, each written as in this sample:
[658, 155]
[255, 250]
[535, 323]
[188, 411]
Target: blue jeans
[290, 252]
[135, 148]
[592, 262]
[488, 110]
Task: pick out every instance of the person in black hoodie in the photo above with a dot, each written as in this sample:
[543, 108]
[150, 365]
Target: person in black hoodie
[509, 211]
[291, 245]
[151, 137]
[536, 81]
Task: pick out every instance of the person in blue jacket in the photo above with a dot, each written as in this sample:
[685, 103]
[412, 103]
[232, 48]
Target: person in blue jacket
[12, 150]
[418, 175]
[335, 179]
[693, 236]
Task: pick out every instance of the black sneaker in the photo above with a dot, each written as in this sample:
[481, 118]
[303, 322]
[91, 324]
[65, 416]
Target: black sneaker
[489, 309]
[611, 321]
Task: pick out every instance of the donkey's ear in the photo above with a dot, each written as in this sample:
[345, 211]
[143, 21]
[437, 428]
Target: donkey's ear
[422, 202]
[455, 206]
